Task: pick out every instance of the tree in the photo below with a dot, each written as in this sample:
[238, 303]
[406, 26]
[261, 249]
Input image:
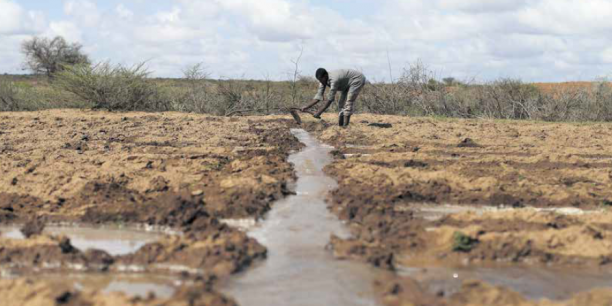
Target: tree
[48, 56]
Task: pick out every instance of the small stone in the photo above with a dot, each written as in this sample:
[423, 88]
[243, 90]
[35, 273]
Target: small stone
[197, 193]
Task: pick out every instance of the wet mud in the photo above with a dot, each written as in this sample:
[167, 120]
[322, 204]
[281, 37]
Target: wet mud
[173, 175]
[516, 193]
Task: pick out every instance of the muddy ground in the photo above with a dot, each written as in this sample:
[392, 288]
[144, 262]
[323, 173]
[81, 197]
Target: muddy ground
[189, 172]
[176, 171]
[389, 167]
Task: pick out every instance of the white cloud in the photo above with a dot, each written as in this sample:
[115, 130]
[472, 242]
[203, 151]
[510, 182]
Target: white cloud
[15, 20]
[480, 6]
[124, 12]
[536, 40]
[85, 12]
[590, 17]
[11, 16]
[69, 30]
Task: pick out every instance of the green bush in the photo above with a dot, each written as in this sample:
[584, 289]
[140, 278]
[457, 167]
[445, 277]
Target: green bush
[8, 96]
[463, 242]
[113, 87]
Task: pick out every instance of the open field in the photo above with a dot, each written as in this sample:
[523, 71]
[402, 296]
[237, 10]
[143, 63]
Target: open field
[421, 197]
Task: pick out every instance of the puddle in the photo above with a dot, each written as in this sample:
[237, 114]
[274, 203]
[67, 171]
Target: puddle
[356, 155]
[240, 224]
[141, 285]
[298, 270]
[434, 212]
[115, 241]
[532, 282]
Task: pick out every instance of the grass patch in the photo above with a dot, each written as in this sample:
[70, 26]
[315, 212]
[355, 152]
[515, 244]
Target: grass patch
[463, 242]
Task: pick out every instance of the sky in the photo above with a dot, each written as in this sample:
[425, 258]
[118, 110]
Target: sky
[470, 40]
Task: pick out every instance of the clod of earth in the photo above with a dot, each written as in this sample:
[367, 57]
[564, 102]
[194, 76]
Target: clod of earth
[33, 227]
[468, 143]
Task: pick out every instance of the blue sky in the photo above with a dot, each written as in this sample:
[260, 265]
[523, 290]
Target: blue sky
[481, 40]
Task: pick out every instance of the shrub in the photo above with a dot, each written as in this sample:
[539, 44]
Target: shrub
[113, 87]
[195, 97]
[8, 96]
[463, 242]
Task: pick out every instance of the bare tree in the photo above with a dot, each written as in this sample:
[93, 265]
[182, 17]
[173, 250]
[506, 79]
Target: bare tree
[8, 96]
[196, 96]
[48, 56]
[296, 75]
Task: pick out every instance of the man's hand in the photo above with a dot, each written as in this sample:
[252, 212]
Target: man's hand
[322, 110]
[313, 103]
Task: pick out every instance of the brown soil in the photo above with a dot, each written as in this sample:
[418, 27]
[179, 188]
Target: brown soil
[173, 170]
[31, 292]
[385, 173]
[405, 292]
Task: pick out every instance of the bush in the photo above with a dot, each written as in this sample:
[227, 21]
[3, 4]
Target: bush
[110, 87]
[8, 96]
[463, 242]
[196, 97]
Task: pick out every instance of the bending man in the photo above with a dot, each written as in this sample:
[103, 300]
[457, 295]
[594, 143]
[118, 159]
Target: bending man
[346, 81]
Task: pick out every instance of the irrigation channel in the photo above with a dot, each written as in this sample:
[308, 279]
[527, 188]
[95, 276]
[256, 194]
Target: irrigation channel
[299, 270]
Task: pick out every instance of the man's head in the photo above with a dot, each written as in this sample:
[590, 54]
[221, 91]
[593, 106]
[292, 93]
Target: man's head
[322, 76]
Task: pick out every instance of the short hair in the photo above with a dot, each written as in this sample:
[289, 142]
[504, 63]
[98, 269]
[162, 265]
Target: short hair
[320, 73]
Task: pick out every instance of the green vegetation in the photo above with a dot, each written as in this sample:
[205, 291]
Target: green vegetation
[116, 87]
[463, 242]
[104, 86]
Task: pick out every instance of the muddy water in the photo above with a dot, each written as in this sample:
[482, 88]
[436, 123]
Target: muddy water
[137, 285]
[115, 241]
[299, 270]
[532, 282]
[434, 212]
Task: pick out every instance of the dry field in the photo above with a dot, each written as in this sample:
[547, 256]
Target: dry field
[552, 87]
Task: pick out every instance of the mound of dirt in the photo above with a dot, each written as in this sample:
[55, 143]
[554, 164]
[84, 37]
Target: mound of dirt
[47, 252]
[31, 292]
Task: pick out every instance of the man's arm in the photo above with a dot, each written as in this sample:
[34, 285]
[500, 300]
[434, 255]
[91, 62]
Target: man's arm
[317, 98]
[313, 103]
[323, 109]
[330, 99]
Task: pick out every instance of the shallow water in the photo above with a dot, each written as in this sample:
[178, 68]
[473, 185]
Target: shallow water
[138, 285]
[115, 241]
[299, 270]
[532, 282]
[437, 211]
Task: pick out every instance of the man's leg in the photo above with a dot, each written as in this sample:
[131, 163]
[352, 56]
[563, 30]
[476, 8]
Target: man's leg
[341, 104]
[353, 94]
